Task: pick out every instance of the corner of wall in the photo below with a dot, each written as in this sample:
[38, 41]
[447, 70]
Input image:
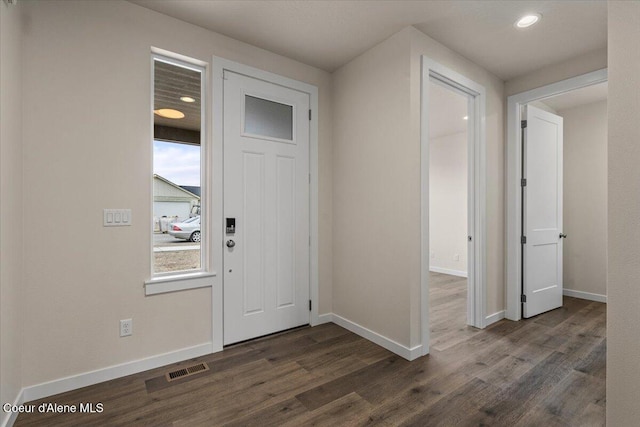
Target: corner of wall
[11, 190]
[623, 191]
[373, 158]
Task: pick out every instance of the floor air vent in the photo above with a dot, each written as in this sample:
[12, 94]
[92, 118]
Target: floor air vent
[185, 372]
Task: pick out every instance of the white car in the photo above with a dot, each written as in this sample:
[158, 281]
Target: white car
[189, 229]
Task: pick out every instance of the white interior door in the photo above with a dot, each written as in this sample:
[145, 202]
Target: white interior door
[266, 208]
[542, 208]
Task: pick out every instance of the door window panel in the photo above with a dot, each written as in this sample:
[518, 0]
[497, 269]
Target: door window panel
[268, 118]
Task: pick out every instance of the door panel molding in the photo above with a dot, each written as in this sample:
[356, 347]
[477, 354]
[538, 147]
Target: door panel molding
[219, 65]
[514, 176]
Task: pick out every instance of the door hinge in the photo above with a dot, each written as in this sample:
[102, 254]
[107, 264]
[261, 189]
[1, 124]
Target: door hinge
[523, 298]
[309, 178]
[523, 182]
[470, 238]
[523, 124]
[309, 305]
[309, 114]
[523, 240]
[309, 240]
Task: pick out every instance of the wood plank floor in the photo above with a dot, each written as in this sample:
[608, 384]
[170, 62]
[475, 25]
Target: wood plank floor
[544, 371]
[448, 311]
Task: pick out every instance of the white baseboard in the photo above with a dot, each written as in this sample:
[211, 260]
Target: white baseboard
[73, 382]
[325, 318]
[493, 318]
[11, 417]
[584, 295]
[382, 341]
[459, 273]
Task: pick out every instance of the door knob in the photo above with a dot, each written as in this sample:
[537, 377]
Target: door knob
[230, 243]
[563, 236]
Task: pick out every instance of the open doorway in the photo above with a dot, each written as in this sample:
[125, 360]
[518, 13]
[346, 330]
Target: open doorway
[472, 98]
[580, 240]
[560, 196]
[448, 217]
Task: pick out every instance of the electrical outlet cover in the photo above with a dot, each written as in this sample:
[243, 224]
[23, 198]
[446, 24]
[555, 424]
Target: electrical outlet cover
[126, 327]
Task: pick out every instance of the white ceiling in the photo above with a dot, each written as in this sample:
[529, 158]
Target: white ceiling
[328, 34]
[575, 98]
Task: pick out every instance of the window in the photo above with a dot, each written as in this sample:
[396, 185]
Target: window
[178, 155]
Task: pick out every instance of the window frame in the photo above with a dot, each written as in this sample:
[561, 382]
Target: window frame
[203, 277]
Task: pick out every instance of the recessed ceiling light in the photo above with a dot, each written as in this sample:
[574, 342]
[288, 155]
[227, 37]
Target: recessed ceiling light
[169, 113]
[187, 99]
[465, 118]
[528, 20]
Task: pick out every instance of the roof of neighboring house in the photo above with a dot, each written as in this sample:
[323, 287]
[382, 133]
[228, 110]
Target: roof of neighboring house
[181, 190]
[191, 189]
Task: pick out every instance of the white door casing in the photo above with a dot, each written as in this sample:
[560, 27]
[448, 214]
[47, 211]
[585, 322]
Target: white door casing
[514, 175]
[266, 190]
[542, 207]
[477, 221]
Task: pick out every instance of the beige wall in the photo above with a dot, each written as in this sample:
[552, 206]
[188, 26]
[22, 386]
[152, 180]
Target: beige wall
[572, 67]
[448, 202]
[423, 45]
[86, 102]
[623, 274]
[11, 215]
[87, 147]
[585, 198]
[376, 189]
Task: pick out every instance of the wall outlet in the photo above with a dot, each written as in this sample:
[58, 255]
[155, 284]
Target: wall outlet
[126, 327]
[456, 257]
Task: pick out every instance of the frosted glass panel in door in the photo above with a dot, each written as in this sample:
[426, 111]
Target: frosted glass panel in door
[268, 118]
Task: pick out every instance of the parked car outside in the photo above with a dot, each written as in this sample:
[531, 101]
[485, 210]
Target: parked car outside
[189, 229]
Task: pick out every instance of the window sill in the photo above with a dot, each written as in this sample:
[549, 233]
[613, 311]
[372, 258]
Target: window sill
[178, 282]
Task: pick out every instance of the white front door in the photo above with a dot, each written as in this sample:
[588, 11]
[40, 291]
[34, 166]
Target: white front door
[542, 208]
[266, 208]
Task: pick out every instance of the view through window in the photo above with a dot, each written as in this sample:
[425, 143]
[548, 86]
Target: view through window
[177, 171]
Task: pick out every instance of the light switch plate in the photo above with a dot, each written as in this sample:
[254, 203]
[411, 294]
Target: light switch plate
[117, 217]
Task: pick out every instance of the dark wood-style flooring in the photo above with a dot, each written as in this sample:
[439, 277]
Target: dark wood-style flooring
[544, 371]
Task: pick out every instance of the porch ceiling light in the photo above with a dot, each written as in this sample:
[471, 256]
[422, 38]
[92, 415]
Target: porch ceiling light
[169, 113]
[187, 99]
[528, 20]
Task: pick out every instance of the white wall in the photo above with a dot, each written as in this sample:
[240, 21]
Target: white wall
[87, 97]
[585, 198]
[448, 203]
[623, 274]
[11, 215]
